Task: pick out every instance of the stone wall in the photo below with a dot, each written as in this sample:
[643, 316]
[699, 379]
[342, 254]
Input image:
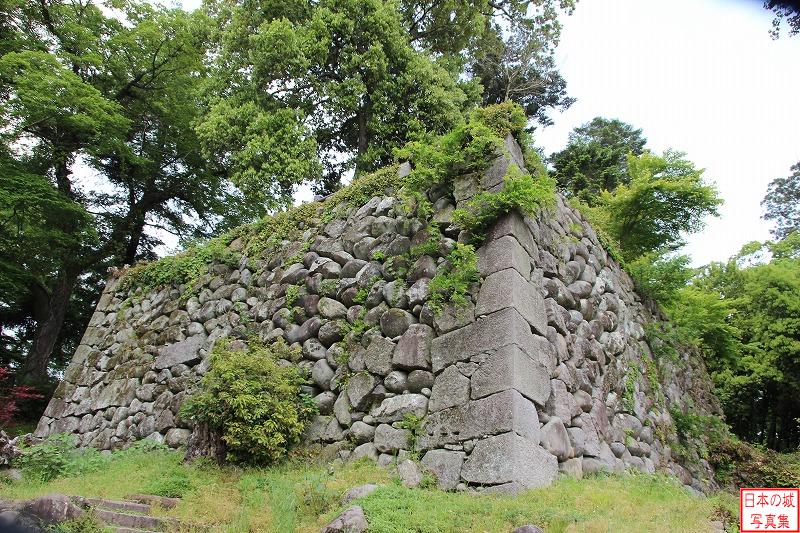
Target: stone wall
[546, 368]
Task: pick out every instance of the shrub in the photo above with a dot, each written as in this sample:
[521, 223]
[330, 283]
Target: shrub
[253, 401]
[58, 457]
[12, 396]
[520, 191]
[452, 284]
[741, 464]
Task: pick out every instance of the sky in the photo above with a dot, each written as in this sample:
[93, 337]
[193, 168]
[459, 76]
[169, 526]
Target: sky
[701, 76]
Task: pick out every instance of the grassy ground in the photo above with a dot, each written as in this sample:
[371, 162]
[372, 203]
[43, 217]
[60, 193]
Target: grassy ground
[303, 495]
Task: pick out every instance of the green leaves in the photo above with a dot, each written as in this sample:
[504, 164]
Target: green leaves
[252, 401]
[665, 198]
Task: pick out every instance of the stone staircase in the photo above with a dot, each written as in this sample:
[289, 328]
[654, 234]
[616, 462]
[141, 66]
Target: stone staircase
[132, 515]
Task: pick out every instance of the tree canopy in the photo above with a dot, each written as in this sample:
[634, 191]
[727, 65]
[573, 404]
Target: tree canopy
[782, 203]
[596, 158]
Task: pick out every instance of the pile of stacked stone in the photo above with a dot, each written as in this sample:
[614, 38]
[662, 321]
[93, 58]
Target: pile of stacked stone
[530, 376]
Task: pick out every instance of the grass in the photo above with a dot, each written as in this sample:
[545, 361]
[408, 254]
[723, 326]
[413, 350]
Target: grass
[303, 494]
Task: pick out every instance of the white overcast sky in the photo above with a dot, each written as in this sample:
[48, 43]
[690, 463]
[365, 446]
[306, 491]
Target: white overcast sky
[701, 76]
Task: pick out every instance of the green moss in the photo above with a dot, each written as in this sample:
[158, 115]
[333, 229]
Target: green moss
[452, 283]
[185, 268]
[520, 191]
[292, 295]
[629, 392]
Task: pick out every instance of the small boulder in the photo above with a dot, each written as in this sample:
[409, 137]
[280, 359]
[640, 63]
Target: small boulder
[350, 521]
[359, 492]
[410, 475]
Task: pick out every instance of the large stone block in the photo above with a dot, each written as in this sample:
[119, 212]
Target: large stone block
[183, 352]
[451, 388]
[510, 458]
[445, 465]
[511, 368]
[493, 331]
[507, 288]
[499, 413]
[118, 392]
[514, 224]
[505, 252]
[396, 408]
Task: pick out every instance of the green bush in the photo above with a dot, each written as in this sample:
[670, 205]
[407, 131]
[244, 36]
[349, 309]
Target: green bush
[58, 457]
[253, 401]
[452, 283]
[520, 191]
[741, 464]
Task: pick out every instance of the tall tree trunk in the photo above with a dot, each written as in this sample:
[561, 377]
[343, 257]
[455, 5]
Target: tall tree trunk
[363, 117]
[52, 313]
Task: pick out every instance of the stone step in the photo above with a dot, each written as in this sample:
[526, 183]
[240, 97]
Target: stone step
[149, 499]
[133, 521]
[118, 505]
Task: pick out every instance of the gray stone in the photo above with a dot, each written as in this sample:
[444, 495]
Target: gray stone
[396, 408]
[395, 322]
[394, 292]
[314, 350]
[367, 450]
[396, 381]
[419, 292]
[53, 509]
[378, 357]
[325, 401]
[177, 437]
[424, 267]
[359, 389]
[118, 392]
[414, 348]
[322, 373]
[572, 467]
[419, 380]
[330, 332]
[409, 473]
[499, 413]
[351, 520]
[185, 351]
[390, 439]
[528, 528]
[493, 331]
[445, 465]
[507, 288]
[555, 439]
[330, 308]
[451, 388]
[341, 410]
[511, 368]
[359, 492]
[510, 458]
[361, 432]
[501, 254]
[513, 224]
[453, 316]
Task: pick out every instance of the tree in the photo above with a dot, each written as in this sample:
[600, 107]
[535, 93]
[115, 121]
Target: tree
[596, 158]
[520, 68]
[782, 203]
[746, 317]
[336, 86]
[785, 10]
[117, 95]
[666, 196]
